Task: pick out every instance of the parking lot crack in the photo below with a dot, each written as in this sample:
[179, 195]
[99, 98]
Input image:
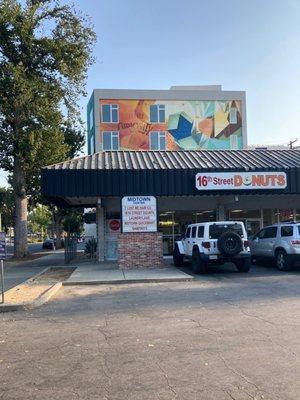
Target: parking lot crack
[165, 375]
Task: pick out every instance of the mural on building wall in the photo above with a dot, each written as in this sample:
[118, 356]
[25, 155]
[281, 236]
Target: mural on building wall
[188, 125]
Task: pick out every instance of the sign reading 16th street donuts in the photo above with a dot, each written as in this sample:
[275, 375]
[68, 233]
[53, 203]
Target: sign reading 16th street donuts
[241, 180]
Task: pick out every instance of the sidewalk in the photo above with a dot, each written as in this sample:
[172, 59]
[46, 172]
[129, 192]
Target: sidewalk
[19, 271]
[108, 273]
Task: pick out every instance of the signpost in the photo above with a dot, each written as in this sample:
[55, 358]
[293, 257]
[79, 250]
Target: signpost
[139, 214]
[2, 257]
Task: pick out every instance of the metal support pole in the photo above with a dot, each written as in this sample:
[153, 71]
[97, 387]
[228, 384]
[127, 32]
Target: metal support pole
[2, 281]
[173, 230]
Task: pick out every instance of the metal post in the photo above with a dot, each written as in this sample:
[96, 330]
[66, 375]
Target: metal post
[173, 230]
[2, 281]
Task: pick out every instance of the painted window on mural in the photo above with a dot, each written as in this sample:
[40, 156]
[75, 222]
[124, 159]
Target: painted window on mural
[188, 124]
[233, 116]
[110, 113]
[234, 142]
[157, 113]
[157, 141]
[110, 140]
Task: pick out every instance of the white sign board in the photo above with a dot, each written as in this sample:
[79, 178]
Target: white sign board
[2, 246]
[241, 180]
[139, 214]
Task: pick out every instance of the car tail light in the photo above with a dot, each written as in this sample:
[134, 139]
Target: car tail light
[246, 243]
[295, 242]
[206, 245]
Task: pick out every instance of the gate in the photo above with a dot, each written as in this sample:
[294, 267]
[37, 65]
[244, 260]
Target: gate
[70, 248]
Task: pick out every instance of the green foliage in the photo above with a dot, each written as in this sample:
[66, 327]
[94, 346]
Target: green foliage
[45, 50]
[39, 219]
[91, 246]
[73, 221]
[6, 208]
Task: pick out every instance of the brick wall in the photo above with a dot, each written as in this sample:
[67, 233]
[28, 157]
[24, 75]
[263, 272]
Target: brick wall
[140, 250]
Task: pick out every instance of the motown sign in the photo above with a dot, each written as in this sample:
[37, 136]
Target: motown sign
[139, 214]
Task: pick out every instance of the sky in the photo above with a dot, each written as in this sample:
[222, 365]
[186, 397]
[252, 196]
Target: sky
[251, 45]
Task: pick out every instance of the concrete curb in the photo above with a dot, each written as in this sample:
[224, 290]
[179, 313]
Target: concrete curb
[42, 299]
[128, 281]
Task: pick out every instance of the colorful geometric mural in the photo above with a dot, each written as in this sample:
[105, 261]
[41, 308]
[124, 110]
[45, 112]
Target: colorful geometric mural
[188, 125]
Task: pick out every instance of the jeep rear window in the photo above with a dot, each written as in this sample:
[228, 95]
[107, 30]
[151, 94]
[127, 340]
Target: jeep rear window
[216, 230]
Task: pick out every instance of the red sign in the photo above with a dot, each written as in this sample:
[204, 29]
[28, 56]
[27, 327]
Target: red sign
[114, 225]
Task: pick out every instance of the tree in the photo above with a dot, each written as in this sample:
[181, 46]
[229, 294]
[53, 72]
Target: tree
[6, 208]
[73, 221]
[39, 219]
[45, 51]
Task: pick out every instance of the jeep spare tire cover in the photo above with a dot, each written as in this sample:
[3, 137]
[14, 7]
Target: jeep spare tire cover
[230, 243]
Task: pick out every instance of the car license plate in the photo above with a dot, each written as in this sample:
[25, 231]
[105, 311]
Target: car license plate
[213, 257]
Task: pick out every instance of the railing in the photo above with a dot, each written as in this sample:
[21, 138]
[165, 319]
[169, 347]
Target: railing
[70, 249]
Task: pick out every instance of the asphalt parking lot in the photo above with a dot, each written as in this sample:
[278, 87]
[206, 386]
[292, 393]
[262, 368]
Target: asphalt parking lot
[225, 335]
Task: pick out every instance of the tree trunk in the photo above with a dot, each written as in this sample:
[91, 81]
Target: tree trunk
[58, 230]
[20, 228]
[20, 200]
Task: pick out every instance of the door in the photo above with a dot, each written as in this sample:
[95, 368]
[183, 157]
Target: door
[186, 242]
[252, 226]
[263, 242]
[190, 239]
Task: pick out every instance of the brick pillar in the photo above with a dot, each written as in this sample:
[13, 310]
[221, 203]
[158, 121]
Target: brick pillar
[140, 250]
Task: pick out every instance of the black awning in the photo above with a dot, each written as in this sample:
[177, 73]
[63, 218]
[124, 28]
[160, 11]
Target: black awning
[158, 173]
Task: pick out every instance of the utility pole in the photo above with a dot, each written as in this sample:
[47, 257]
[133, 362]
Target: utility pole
[291, 142]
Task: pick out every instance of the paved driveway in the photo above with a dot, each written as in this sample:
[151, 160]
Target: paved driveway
[224, 336]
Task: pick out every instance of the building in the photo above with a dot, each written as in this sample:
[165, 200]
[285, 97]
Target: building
[182, 118]
[159, 160]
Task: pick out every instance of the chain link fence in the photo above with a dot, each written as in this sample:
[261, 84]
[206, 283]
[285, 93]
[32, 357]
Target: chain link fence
[70, 248]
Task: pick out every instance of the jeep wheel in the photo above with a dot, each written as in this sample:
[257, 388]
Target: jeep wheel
[243, 265]
[177, 257]
[230, 243]
[282, 260]
[198, 265]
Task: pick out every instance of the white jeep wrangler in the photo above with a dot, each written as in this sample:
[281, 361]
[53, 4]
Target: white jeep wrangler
[214, 243]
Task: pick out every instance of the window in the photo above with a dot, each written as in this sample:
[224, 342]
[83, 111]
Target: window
[157, 113]
[268, 233]
[157, 141]
[110, 140]
[110, 113]
[287, 230]
[91, 119]
[216, 230]
[194, 229]
[200, 231]
[188, 232]
[233, 142]
[233, 116]
[92, 145]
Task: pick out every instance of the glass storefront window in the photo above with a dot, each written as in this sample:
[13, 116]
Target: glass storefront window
[173, 225]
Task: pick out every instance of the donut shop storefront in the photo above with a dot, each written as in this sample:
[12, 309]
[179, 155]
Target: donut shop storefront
[145, 199]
